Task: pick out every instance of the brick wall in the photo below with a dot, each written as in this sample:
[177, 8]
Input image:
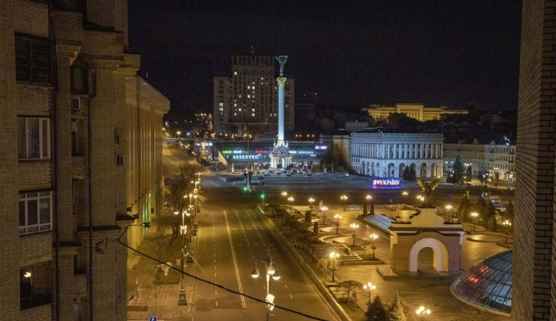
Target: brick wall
[9, 234]
[533, 273]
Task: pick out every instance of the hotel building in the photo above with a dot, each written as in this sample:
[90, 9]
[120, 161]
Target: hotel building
[247, 102]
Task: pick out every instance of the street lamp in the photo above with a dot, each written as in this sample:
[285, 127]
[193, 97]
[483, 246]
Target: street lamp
[333, 256]
[507, 225]
[474, 215]
[369, 287]
[344, 198]
[183, 230]
[271, 271]
[421, 198]
[373, 237]
[369, 199]
[422, 312]
[337, 217]
[354, 226]
[405, 193]
[324, 209]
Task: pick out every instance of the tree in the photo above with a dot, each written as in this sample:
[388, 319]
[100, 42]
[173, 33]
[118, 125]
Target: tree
[463, 207]
[396, 310]
[489, 214]
[457, 171]
[376, 310]
[352, 287]
[510, 211]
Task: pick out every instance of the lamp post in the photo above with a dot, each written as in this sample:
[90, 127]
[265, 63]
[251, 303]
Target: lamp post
[337, 218]
[333, 256]
[344, 199]
[422, 312]
[507, 225]
[271, 271]
[373, 237]
[354, 226]
[474, 215]
[369, 199]
[324, 209]
[183, 230]
[369, 287]
[420, 198]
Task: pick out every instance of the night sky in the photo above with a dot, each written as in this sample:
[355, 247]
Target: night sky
[447, 53]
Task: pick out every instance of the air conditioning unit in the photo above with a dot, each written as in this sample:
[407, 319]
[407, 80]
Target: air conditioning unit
[76, 103]
[120, 159]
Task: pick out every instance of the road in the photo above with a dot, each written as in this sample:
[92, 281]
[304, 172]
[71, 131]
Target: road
[231, 238]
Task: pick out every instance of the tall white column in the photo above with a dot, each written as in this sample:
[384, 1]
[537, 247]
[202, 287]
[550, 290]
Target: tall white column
[281, 109]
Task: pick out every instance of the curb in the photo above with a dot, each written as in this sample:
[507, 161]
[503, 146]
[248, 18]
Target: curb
[325, 294]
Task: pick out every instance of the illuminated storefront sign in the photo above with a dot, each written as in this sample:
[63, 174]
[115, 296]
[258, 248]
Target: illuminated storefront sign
[261, 151]
[386, 182]
[244, 157]
[323, 147]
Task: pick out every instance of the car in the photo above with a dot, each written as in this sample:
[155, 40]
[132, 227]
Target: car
[498, 205]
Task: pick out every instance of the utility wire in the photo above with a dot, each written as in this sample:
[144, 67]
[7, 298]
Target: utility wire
[214, 284]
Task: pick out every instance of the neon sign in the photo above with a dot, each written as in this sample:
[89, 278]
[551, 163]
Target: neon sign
[386, 182]
[321, 147]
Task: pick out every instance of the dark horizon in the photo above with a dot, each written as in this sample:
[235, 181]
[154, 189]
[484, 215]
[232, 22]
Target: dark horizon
[439, 53]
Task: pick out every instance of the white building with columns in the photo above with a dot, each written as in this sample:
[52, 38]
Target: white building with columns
[378, 154]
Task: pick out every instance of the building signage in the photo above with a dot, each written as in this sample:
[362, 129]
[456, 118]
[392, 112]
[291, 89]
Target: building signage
[386, 182]
[261, 151]
[242, 157]
[320, 147]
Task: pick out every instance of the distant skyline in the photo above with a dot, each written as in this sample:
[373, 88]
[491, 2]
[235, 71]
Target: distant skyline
[447, 53]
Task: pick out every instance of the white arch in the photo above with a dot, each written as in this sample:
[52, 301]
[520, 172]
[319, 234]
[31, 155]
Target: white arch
[440, 256]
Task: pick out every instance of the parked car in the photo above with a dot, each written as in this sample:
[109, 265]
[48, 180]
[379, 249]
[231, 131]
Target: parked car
[498, 205]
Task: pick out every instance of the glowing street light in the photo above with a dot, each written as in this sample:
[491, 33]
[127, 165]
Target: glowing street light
[354, 226]
[271, 271]
[422, 312]
[324, 209]
[333, 264]
[507, 225]
[337, 217]
[369, 287]
[474, 215]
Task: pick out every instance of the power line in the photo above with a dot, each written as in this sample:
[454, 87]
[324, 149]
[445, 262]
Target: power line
[214, 284]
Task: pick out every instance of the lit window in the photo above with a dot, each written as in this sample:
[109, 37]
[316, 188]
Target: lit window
[33, 138]
[248, 96]
[221, 104]
[35, 212]
[235, 73]
[253, 114]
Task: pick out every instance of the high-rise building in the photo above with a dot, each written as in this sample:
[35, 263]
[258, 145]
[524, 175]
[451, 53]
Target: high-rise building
[534, 268]
[247, 102]
[76, 123]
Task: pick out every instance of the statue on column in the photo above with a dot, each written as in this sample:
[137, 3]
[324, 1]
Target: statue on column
[282, 62]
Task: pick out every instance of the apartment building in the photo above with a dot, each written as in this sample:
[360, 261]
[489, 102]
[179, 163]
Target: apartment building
[74, 137]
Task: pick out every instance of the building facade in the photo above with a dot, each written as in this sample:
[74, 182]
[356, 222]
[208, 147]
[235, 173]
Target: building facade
[415, 111]
[534, 268]
[492, 160]
[145, 107]
[247, 102]
[385, 155]
[67, 140]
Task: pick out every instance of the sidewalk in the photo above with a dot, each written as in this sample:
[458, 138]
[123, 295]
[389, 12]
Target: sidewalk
[434, 293]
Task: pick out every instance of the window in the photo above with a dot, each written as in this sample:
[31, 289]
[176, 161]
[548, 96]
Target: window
[33, 59]
[33, 138]
[77, 137]
[35, 212]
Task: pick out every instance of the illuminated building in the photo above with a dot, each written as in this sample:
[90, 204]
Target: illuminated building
[415, 111]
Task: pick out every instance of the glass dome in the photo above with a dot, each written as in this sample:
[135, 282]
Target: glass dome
[488, 285]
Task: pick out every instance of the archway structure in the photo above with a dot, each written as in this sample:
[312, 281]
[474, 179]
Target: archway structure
[425, 230]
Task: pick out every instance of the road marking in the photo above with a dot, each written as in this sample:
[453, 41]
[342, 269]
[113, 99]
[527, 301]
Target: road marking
[291, 296]
[216, 303]
[239, 287]
[286, 286]
[215, 292]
